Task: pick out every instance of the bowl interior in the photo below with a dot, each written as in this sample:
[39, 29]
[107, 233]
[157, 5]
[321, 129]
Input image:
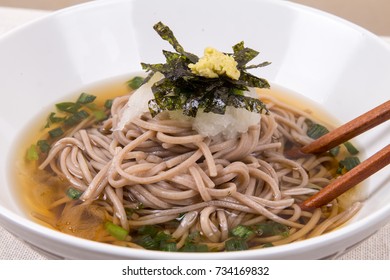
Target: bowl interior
[327, 60]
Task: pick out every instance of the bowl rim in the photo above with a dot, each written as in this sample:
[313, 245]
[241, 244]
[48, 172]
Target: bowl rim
[113, 250]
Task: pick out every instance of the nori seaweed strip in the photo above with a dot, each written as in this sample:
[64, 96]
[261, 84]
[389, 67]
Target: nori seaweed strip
[243, 55]
[253, 81]
[263, 64]
[182, 89]
[166, 33]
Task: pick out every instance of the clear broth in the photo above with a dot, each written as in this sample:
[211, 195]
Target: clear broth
[35, 196]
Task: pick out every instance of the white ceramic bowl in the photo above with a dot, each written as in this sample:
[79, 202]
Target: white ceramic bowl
[330, 61]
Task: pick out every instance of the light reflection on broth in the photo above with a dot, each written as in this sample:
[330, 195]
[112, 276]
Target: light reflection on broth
[209, 217]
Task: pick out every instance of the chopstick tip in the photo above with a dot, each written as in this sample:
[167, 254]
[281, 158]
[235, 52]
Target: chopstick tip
[305, 207]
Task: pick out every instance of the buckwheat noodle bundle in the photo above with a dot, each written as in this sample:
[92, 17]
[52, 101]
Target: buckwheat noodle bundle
[212, 184]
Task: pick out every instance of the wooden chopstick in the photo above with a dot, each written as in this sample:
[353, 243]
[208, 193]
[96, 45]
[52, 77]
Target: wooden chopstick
[350, 179]
[349, 130]
[361, 172]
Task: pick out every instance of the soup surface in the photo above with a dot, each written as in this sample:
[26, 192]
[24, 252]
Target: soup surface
[158, 184]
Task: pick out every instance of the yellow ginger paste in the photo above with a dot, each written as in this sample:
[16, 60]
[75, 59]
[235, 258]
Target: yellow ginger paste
[214, 63]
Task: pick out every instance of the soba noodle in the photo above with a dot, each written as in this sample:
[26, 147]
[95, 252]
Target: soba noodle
[193, 160]
[159, 171]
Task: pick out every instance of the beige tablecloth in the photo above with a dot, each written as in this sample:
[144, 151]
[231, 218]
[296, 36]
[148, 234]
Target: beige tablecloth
[376, 247]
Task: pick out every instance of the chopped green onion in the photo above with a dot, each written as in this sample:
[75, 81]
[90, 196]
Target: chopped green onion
[98, 112]
[54, 119]
[148, 242]
[243, 232]
[162, 236]
[192, 243]
[116, 231]
[191, 247]
[316, 131]
[69, 107]
[148, 230]
[71, 114]
[76, 118]
[153, 238]
[309, 122]
[168, 246]
[236, 244]
[135, 82]
[56, 132]
[74, 193]
[92, 107]
[193, 237]
[85, 98]
[131, 211]
[82, 114]
[99, 115]
[334, 151]
[351, 148]
[108, 103]
[271, 228]
[348, 163]
[43, 146]
[32, 153]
